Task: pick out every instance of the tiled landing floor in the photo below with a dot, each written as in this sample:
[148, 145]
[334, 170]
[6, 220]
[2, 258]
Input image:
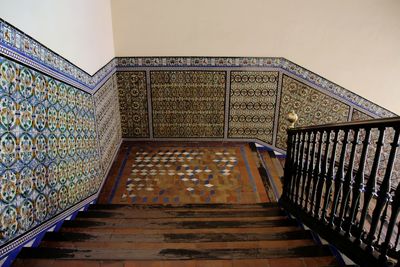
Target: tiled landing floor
[166, 173]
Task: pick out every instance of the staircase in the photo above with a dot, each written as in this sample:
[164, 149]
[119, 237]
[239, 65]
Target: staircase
[186, 235]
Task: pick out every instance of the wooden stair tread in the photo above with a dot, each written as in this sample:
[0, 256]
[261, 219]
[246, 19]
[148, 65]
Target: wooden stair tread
[120, 223]
[277, 262]
[179, 213]
[127, 230]
[178, 237]
[274, 169]
[172, 253]
[183, 206]
[124, 220]
[116, 245]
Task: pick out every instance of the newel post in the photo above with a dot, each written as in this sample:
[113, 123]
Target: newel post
[290, 150]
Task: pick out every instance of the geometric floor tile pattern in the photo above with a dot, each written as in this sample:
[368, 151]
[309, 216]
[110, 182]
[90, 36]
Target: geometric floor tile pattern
[161, 173]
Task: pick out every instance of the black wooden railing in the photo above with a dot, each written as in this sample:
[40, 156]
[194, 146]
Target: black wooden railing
[342, 180]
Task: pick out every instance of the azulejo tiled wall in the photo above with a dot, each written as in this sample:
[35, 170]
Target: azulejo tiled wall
[360, 116]
[252, 104]
[224, 103]
[108, 121]
[48, 148]
[312, 106]
[188, 103]
[133, 103]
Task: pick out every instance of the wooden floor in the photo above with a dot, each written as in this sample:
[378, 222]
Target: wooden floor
[182, 173]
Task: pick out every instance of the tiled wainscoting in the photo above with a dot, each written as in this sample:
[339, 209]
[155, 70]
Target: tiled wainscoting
[224, 104]
[60, 128]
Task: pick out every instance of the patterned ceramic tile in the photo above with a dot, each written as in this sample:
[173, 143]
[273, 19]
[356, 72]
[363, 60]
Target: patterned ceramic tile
[133, 103]
[48, 148]
[312, 107]
[108, 121]
[385, 152]
[252, 104]
[360, 116]
[188, 103]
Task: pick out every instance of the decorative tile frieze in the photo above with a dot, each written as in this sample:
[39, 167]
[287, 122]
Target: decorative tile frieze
[252, 104]
[133, 103]
[311, 106]
[188, 103]
[22, 47]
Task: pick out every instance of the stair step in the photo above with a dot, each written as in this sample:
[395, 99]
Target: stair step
[183, 207]
[277, 262]
[178, 214]
[181, 254]
[175, 238]
[128, 230]
[162, 224]
[162, 221]
[277, 163]
[270, 244]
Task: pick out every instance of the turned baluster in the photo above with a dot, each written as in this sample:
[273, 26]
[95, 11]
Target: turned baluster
[358, 187]
[383, 219]
[392, 223]
[396, 246]
[322, 176]
[384, 195]
[339, 179]
[310, 169]
[317, 170]
[396, 243]
[295, 167]
[370, 189]
[348, 181]
[305, 171]
[329, 176]
[395, 204]
[292, 165]
[300, 167]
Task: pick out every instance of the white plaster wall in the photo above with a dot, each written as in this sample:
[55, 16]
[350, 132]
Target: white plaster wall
[79, 30]
[354, 43]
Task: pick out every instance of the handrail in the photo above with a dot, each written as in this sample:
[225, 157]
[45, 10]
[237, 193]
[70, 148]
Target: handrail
[343, 181]
[375, 123]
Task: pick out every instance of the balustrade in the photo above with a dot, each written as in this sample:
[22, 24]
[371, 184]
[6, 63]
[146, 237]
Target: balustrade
[343, 180]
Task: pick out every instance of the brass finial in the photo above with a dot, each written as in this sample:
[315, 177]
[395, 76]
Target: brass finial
[292, 118]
